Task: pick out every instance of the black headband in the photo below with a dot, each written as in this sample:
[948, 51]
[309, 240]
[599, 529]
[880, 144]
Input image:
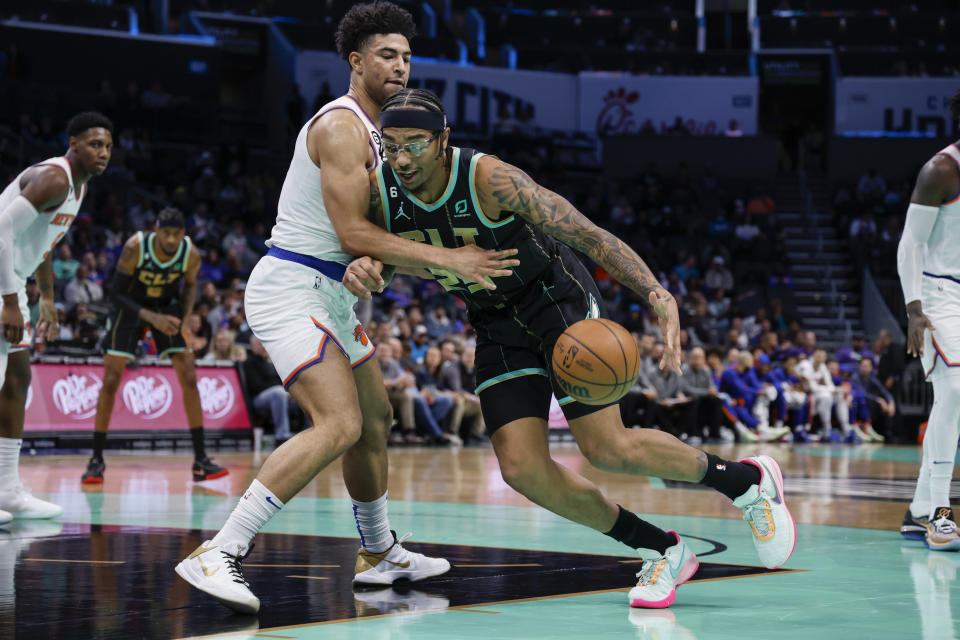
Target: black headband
[413, 119]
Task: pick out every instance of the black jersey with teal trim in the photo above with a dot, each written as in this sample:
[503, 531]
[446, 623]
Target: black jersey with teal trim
[456, 220]
[156, 284]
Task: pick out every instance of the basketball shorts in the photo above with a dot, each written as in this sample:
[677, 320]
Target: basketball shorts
[515, 345]
[940, 296]
[300, 311]
[125, 331]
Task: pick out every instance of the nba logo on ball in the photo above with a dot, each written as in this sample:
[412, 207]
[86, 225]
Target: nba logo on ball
[595, 361]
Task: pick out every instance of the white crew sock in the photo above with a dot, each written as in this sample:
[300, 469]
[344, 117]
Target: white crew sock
[253, 511]
[942, 433]
[9, 463]
[373, 524]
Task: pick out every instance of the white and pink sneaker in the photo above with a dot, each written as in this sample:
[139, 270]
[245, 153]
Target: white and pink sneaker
[765, 510]
[659, 577]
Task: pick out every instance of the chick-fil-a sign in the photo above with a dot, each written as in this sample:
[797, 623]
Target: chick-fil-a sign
[64, 398]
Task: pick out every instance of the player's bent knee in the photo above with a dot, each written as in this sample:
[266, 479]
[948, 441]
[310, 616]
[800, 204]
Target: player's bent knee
[605, 454]
[519, 474]
[17, 379]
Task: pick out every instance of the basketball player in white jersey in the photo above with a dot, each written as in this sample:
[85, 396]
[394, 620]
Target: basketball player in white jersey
[298, 308]
[928, 260]
[36, 210]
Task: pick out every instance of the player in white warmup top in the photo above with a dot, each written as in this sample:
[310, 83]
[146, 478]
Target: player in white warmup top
[928, 260]
[36, 210]
[298, 308]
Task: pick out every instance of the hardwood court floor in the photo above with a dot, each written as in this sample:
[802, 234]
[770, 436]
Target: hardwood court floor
[105, 568]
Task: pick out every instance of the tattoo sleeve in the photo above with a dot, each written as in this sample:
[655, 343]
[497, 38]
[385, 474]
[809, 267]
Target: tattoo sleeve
[513, 190]
[44, 276]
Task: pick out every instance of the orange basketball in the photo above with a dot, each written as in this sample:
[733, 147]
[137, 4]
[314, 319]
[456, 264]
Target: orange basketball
[595, 361]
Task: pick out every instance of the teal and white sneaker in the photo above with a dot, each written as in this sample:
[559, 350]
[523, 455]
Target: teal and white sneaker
[659, 577]
[765, 510]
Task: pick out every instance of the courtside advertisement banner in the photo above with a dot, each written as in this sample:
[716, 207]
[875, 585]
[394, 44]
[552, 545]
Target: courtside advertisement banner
[619, 103]
[64, 398]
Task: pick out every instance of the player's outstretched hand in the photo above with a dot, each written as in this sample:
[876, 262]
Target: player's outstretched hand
[669, 318]
[12, 321]
[164, 323]
[363, 275]
[48, 324]
[917, 323]
[473, 264]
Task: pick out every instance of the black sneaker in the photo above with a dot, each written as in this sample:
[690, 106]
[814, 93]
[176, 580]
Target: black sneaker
[94, 473]
[205, 469]
[913, 528]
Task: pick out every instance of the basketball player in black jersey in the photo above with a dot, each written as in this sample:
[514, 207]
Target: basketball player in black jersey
[432, 192]
[154, 287]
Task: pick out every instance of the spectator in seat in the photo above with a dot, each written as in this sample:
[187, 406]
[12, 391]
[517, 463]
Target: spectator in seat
[64, 266]
[718, 276]
[697, 383]
[472, 427]
[438, 400]
[733, 129]
[224, 348]
[760, 378]
[827, 399]
[674, 411]
[739, 396]
[80, 289]
[397, 381]
[872, 404]
[850, 357]
[265, 390]
[419, 343]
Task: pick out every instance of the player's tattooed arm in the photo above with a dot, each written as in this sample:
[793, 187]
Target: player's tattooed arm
[507, 188]
[504, 188]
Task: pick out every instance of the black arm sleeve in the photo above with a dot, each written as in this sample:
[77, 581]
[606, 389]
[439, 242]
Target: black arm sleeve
[118, 293]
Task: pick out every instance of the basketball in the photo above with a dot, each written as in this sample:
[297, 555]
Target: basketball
[595, 361]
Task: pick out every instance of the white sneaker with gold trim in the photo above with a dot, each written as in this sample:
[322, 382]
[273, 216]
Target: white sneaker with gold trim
[396, 563]
[216, 570]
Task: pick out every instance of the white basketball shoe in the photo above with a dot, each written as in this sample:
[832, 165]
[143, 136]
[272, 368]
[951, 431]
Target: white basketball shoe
[216, 570]
[396, 563]
[21, 504]
[659, 577]
[765, 510]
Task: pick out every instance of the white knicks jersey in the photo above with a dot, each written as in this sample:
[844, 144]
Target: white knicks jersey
[37, 240]
[943, 245]
[303, 225]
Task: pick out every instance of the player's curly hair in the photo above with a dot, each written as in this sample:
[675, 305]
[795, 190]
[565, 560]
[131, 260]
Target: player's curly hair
[88, 120]
[955, 106]
[365, 20]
